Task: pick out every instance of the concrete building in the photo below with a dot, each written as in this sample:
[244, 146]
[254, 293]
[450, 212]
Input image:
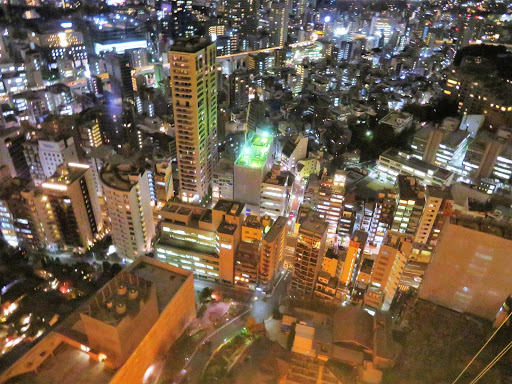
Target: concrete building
[425, 143]
[469, 271]
[54, 153]
[398, 121]
[293, 151]
[482, 154]
[278, 24]
[502, 169]
[73, 206]
[353, 257]
[275, 193]
[201, 240]
[410, 204]
[251, 167]
[309, 253]
[247, 265]
[330, 202]
[382, 216]
[438, 208]
[386, 274]
[11, 153]
[127, 197]
[119, 333]
[452, 149]
[272, 253]
[223, 180]
[194, 95]
[393, 162]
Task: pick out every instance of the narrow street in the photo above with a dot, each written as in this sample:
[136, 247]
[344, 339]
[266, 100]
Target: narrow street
[261, 309]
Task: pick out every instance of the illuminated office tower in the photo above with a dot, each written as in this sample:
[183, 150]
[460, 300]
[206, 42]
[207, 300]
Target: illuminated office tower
[182, 18]
[194, 96]
[127, 197]
[74, 205]
[278, 24]
[309, 254]
[120, 74]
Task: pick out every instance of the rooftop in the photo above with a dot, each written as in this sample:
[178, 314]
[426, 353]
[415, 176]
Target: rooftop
[122, 176]
[455, 139]
[254, 154]
[232, 208]
[227, 228]
[276, 229]
[190, 45]
[65, 175]
[409, 188]
[314, 224]
[396, 118]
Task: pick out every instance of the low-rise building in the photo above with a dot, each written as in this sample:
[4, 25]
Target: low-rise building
[393, 162]
[397, 120]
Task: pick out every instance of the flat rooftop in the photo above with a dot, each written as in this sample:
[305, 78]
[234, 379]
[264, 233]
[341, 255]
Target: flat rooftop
[455, 139]
[190, 45]
[186, 246]
[314, 225]
[254, 154]
[167, 282]
[409, 188]
[276, 229]
[226, 228]
[232, 208]
[396, 119]
[67, 365]
[65, 175]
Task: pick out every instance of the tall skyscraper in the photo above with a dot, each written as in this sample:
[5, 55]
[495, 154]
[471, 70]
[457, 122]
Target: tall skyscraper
[309, 254]
[120, 74]
[128, 201]
[194, 96]
[278, 24]
[244, 15]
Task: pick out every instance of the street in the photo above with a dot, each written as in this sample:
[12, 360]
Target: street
[261, 309]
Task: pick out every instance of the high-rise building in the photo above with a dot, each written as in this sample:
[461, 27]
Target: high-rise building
[386, 273]
[309, 254]
[330, 202]
[438, 208]
[353, 257]
[120, 74]
[244, 15]
[11, 153]
[482, 154]
[278, 24]
[119, 332]
[409, 207]
[382, 217]
[272, 253]
[127, 197]
[194, 96]
[182, 18]
[275, 193]
[74, 205]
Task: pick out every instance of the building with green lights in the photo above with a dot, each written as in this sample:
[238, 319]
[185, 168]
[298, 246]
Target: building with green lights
[254, 162]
